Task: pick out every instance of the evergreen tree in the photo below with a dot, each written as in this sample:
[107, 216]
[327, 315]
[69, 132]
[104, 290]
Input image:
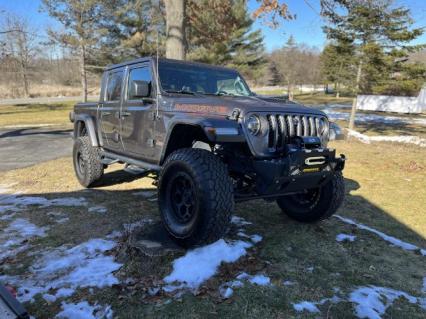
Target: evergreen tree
[377, 29]
[220, 32]
[337, 61]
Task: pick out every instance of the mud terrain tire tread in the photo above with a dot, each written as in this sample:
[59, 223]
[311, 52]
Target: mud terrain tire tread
[94, 168]
[215, 189]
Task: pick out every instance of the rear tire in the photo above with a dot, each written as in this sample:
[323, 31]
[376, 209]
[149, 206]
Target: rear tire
[316, 204]
[88, 166]
[195, 197]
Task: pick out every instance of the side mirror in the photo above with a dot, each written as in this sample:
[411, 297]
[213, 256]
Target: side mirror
[140, 89]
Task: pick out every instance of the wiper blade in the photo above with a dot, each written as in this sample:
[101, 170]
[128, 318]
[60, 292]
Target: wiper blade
[181, 92]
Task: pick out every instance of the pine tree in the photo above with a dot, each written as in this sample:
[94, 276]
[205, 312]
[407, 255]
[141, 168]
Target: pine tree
[377, 29]
[337, 65]
[220, 32]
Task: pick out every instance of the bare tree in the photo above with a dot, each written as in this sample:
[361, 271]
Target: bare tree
[80, 18]
[19, 46]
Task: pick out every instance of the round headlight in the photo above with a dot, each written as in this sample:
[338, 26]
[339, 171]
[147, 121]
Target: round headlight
[253, 124]
[323, 126]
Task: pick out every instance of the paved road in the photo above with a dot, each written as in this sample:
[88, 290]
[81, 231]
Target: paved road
[39, 100]
[21, 147]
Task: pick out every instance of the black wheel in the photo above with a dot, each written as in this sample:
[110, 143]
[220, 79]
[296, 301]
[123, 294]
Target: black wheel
[195, 196]
[315, 204]
[87, 162]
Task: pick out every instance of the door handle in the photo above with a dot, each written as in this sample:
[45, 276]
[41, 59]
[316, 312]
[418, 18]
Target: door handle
[125, 114]
[106, 113]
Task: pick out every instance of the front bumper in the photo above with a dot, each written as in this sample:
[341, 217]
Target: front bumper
[300, 170]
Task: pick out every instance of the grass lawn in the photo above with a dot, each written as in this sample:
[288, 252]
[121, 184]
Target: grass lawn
[385, 189]
[28, 114]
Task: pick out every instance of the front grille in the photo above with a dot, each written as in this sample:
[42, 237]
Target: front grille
[283, 127]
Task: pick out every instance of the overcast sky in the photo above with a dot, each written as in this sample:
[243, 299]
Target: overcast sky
[306, 28]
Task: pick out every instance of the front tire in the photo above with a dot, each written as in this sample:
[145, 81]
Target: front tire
[195, 197]
[316, 204]
[88, 166]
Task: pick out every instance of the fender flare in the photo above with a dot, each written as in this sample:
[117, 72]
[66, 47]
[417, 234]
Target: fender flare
[208, 126]
[90, 127]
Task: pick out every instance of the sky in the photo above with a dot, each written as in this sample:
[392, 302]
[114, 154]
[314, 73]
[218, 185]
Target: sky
[306, 28]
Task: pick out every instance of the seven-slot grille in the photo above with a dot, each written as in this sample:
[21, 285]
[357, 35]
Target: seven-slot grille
[283, 127]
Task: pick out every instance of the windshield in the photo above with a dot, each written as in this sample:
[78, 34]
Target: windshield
[193, 79]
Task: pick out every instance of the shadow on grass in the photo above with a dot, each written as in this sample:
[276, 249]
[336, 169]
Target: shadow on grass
[288, 247]
[35, 131]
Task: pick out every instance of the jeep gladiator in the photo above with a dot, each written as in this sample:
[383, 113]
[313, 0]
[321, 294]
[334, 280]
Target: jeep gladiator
[208, 142]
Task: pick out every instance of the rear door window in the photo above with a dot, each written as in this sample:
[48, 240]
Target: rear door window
[138, 74]
[114, 83]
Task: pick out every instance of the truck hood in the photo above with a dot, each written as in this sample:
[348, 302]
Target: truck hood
[224, 105]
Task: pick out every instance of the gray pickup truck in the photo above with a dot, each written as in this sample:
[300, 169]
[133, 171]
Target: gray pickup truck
[209, 142]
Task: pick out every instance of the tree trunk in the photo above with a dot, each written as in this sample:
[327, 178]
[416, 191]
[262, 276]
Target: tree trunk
[175, 21]
[353, 111]
[337, 90]
[25, 79]
[83, 76]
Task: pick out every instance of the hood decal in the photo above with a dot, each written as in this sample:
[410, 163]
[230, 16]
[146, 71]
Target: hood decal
[201, 108]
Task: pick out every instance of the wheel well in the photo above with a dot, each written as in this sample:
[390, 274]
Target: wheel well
[81, 129]
[183, 136]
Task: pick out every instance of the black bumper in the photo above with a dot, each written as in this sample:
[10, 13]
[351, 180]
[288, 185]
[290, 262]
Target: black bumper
[301, 169]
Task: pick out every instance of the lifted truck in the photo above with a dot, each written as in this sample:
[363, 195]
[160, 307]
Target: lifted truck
[209, 142]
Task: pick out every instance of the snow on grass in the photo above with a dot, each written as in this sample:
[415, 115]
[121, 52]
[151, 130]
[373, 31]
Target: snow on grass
[288, 283]
[202, 263]
[382, 138]
[305, 305]
[66, 269]
[372, 302]
[390, 239]
[97, 209]
[313, 306]
[239, 221]
[374, 118]
[83, 310]
[14, 237]
[16, 202]
[345, 237]
[260, 280]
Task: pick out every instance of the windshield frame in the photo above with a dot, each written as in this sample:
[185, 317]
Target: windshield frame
[199, 65]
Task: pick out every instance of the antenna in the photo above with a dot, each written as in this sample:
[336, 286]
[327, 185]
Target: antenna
[157, 80]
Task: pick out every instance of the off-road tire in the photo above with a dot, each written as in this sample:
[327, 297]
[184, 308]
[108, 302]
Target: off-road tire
[321, 206]
[213, 190]
[92, 169]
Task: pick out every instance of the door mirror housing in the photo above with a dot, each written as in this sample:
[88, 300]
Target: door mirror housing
[140, 89]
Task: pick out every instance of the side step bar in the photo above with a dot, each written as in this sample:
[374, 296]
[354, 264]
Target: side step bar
[113, 158]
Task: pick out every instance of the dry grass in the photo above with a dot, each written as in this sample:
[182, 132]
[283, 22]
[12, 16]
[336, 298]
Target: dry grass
[49, 90]
[27, 114]
[386, 189]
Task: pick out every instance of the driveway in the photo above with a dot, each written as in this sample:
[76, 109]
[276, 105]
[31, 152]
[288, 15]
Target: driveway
[21, 147]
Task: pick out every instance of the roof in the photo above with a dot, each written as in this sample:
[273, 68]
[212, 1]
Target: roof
[153, 58]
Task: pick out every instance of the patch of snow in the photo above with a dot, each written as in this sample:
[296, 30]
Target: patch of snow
[372, 302]
[132, 226]
[62, 220]
[310, 269]
[305, 305]
[226, 292]
[202, 263]
[374, 118]
[239, 221]
[49, 298]
[259, 279]
[13, 237]
[256, 238]
[83, 310]
[383, 138]
[344, 237]
[16, 201]
[390, 239]
[97, 209]
[153, 291]
[65, 269]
